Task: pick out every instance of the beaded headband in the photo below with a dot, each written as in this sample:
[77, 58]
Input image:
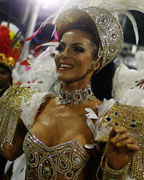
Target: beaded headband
[98, 20]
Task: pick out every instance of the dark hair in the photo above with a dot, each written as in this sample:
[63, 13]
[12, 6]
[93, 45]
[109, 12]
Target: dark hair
[101, 82]
[8, 70]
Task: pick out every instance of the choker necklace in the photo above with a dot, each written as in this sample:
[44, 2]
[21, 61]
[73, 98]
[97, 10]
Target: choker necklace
[77, 96]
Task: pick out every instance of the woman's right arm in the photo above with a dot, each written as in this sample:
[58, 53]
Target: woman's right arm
[14, 149]
[12, 128]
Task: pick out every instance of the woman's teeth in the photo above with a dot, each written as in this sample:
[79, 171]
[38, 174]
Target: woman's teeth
[65, 66]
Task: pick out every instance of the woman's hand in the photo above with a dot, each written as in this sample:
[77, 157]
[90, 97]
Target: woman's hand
[121, 148]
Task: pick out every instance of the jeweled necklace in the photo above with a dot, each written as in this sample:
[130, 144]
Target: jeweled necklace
[77, 96]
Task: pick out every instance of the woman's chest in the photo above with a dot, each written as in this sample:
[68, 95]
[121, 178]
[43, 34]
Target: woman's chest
[61, 124]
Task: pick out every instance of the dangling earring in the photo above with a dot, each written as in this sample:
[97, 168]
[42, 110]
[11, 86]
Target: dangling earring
[92, 65]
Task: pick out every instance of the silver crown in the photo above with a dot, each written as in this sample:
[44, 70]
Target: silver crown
[110, 33]
[100, 20]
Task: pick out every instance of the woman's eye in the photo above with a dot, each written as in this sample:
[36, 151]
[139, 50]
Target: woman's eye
[78, 49]
[60, 48]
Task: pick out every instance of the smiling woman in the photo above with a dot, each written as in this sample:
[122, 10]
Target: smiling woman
[74, 58]
[62, 132]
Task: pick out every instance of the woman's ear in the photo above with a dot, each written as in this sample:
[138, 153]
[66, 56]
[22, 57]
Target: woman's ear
[97, 66]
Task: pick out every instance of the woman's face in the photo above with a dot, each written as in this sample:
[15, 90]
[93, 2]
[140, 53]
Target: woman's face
[74, 55]
[4, 77]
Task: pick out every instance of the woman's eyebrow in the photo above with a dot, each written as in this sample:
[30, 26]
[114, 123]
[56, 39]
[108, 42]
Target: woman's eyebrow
[73, 44]
[77, 44]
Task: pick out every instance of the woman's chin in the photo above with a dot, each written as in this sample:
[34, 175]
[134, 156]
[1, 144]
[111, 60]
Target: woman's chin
[66, 78]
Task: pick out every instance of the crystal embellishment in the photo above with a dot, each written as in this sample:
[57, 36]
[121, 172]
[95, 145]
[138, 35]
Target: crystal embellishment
[66, 160]
[77, 97]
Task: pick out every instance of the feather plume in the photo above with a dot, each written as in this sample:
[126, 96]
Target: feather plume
[134, 24]
[29, 110]
[114, 6]
[91, 114]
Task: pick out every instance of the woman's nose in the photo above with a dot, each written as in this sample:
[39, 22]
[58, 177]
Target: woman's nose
[66, 52]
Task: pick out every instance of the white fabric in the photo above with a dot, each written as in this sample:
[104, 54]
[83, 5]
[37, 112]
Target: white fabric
[30, 109]
[19, 168]
[41, 74]
[124, 85]
[139, 57]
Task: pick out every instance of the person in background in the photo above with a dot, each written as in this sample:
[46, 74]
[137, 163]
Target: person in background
[8, 57]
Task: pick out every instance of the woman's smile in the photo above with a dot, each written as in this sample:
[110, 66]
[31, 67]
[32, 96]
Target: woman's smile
[63, 66]
[74, 55]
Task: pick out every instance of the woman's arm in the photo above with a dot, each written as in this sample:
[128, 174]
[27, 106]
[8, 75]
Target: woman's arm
[12, 128]
[119, 151]
[13, 150]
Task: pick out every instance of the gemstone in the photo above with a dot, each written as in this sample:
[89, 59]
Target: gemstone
[113, 35]
[116, 113]
[47, 171]
[133, 125]
[77, 160]
[108, 118]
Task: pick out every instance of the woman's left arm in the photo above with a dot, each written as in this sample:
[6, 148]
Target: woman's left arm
[120, 150]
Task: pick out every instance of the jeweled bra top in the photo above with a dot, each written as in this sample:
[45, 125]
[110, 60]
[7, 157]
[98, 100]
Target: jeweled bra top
[65, 161]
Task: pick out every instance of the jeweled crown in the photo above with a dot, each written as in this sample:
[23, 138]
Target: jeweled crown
[100, 20]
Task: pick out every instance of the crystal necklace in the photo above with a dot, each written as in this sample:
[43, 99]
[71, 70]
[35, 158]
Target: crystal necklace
[77, 96]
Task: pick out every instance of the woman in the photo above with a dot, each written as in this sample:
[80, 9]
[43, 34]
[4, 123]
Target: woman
[53, 131]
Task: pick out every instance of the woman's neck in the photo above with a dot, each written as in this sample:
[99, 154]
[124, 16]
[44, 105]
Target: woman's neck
[71, 86]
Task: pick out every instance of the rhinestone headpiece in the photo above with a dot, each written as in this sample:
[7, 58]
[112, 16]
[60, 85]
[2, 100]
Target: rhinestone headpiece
[98, 20]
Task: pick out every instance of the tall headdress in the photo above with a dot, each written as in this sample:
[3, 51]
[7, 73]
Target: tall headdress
[9, 51]
[101, 15]
[100, 21]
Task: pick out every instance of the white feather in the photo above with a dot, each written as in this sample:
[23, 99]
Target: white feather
[102, 131]
[42, 74]
[91, 114]
[107, 104]
[91, 125]
[114, 6]
[132, 19]
[30, 109]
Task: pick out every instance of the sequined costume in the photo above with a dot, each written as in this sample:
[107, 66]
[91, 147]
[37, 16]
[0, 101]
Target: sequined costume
[64, 161]
[130, 117]
[67, 160]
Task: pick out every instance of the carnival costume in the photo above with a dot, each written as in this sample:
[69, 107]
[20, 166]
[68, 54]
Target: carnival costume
[9, 54]
[67, 160]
